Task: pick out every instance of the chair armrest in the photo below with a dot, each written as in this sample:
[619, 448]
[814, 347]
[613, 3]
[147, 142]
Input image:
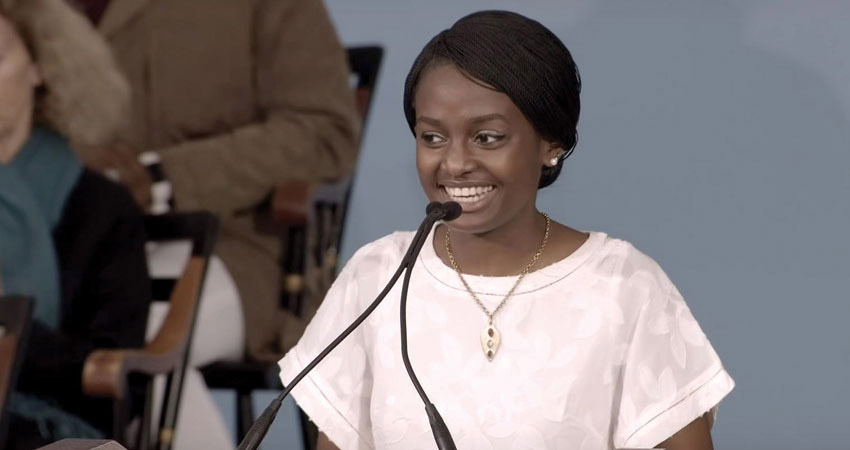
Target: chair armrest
[105, 370]
[241, 376]
[8, 354]
[289, 205]
[291, 202]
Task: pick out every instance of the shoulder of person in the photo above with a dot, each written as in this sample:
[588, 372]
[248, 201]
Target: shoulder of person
[99, 203]
[100, 219]
[381, 253]
[95, 187]
[618, 261]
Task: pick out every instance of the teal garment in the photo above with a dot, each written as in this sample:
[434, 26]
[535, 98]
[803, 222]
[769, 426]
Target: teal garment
[53, 422]
[33, 190]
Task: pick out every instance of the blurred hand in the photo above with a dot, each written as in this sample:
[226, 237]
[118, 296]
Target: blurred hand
[120, 162]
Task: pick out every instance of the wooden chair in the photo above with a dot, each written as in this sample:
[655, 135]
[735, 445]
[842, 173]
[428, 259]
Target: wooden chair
[111, 373]
[15, 320]
[309, 218]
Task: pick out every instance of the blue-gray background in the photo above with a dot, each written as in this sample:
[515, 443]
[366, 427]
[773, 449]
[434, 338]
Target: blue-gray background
[714, 135]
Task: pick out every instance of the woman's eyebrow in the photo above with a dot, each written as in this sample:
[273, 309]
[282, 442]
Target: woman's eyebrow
[472, 121]
[428, 120]
[487, 118]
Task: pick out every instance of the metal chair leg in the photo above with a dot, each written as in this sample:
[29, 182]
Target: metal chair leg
[244, 413]
[147, 412]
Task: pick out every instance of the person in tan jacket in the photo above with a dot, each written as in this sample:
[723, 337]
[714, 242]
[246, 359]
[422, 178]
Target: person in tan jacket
[236, 96]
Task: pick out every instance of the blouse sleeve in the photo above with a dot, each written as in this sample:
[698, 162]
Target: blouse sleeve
[671, 374]
[336, 394]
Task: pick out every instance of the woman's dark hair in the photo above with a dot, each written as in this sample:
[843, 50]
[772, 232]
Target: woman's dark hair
[519, 57]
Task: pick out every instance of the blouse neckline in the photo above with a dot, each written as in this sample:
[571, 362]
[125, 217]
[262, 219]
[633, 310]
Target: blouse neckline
[499, 286]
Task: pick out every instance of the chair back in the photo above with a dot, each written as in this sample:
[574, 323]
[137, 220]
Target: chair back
[331, 199]
[107, 372]
[15, 320]
[176, 332]
[365, 63]
[310, 218]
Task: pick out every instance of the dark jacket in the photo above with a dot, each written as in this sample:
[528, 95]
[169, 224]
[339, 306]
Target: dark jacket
[105, 296]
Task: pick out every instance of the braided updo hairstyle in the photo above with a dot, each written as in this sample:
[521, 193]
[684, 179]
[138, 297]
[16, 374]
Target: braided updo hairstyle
[519, 57]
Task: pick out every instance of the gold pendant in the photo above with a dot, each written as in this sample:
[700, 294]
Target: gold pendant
[490, 339]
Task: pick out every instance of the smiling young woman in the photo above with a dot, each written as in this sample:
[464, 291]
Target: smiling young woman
[525, 332]
[475, 147]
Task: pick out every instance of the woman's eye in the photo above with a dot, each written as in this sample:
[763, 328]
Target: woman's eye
[432, 138]
[488, 138]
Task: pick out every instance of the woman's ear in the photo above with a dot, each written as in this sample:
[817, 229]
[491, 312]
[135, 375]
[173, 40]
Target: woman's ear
[551, 153]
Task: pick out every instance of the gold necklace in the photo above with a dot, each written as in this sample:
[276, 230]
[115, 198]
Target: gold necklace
[490, 337]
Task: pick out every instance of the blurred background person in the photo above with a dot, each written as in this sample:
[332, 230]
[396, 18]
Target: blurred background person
[69, 237]
[230, 99]
[235, 97]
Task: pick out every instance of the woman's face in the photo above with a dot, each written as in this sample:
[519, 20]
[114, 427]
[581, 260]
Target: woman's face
[18, 79]
[475, 147]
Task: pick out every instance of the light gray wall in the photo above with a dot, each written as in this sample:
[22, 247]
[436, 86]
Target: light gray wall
[714, 136]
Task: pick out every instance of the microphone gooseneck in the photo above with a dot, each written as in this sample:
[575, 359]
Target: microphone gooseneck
[434, 212]
[442, 436]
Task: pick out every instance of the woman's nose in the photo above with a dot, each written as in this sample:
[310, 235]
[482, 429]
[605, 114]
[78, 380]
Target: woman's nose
[457, 159]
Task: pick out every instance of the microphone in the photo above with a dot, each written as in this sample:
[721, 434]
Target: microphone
[450, 210]
[434, 211]
[447, 211]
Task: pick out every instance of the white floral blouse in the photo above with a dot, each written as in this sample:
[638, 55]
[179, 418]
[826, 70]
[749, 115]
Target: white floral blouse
[598, 351]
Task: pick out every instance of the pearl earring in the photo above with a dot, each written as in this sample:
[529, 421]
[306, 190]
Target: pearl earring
[554, 161]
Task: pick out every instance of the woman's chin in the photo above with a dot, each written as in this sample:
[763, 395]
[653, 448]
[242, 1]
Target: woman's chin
[475, 222]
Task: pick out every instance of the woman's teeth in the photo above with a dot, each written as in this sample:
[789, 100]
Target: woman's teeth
[468, 194]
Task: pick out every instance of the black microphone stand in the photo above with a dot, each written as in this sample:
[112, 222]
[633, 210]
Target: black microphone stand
[442, 436]
[434, 212]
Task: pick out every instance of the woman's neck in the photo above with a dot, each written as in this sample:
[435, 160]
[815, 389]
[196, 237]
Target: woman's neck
[503, 251]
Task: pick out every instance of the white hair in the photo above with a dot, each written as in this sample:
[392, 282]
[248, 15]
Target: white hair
[85, 96]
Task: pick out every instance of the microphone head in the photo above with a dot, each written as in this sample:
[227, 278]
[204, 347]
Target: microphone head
[446, 211]
[452, 210]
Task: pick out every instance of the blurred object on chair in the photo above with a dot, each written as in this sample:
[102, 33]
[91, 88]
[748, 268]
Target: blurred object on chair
[15, 318]
[309, 219]
[108, 373]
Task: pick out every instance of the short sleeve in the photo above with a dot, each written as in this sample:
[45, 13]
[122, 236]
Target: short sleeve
[336, 394]
[671, 374]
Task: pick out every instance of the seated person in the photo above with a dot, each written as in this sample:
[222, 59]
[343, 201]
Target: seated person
[69, 237]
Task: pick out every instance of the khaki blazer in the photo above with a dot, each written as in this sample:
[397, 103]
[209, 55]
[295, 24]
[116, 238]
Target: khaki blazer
[238, 96]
